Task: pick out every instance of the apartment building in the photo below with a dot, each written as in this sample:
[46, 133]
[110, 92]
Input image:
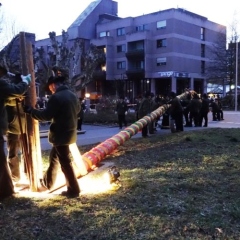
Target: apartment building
[160, 52]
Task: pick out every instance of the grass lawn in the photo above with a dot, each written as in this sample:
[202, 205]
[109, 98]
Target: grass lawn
[175, 186]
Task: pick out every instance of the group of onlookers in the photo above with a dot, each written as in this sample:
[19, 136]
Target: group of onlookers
[191, 111]
[194, 110]
[144, 106]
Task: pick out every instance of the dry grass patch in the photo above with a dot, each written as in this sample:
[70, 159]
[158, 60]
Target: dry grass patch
[176, 186]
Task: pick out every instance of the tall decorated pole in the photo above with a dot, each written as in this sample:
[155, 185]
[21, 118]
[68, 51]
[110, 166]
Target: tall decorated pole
[98, 153]
[31, 139]
[92, 158]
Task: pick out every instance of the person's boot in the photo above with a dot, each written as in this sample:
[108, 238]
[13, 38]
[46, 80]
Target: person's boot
[14, 165]
[6, 184]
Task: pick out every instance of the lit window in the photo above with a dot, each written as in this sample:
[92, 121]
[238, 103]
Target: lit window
[161, 61]
[161, 24]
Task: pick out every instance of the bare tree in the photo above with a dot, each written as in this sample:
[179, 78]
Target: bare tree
[9, 28]
[70, 58]
[217, 68]
[232, 48]
[221, 70]
[91, 59]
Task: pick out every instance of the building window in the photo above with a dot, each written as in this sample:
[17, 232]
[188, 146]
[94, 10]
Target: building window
[202, 34]
[161, 43]
[121, 48]
[120, 31]
[138, 65]
[202, 66]
[161, 24]
[121, 65]
[141, 28]
[202, 50]
[161, 61]
[104, 34]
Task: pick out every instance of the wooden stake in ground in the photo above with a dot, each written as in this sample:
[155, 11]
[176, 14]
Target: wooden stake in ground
[31, 140]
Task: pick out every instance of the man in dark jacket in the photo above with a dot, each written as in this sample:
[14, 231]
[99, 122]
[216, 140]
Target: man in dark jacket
[215, 110]
[204, 110]
[185, 104]
[121, 109]
[14, 112]
[8, 90]
[62, 110]
[81, 114]
[143, 110]
[153, 106]
[176, 111]
[195, 108]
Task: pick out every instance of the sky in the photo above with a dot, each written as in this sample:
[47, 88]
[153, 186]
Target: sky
[44, 16]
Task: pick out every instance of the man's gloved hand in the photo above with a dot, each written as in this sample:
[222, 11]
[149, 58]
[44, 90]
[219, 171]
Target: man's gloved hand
[27, 79]
[27, 109]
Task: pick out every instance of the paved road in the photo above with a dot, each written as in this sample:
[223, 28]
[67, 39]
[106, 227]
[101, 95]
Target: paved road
[97, 134]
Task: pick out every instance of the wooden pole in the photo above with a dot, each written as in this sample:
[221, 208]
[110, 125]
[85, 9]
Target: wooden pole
[36, 134]
[32, 131]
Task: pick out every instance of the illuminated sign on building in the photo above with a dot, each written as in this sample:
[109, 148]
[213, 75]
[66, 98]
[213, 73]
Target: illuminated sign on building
[174, 74]
[166, 74]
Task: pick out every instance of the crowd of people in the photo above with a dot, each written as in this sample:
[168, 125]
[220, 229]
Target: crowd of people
[191, 111]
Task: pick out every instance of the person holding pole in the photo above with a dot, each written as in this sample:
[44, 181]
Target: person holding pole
[62, 110]
[8, 90]
[143, 110]
[14, 111]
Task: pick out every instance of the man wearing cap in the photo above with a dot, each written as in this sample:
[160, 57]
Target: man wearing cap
[121, 110]
[176, 111]
[62, 110]
[143, 110]
[8, 90]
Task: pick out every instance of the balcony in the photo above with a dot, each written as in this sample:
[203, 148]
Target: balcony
[135, 73]
[137, 53]
[99, 75]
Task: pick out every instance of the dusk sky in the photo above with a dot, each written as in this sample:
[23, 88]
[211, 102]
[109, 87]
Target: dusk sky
[42, 17]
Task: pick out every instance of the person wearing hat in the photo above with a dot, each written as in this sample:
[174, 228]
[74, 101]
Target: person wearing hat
[176, 112]
[7, 91]
[81, 114]
[16, 127]
[121, 110]
[145, 109]
[204, 110]
[62, 110]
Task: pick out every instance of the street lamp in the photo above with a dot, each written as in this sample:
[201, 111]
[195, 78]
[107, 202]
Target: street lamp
[87, 96]
[236, 77]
